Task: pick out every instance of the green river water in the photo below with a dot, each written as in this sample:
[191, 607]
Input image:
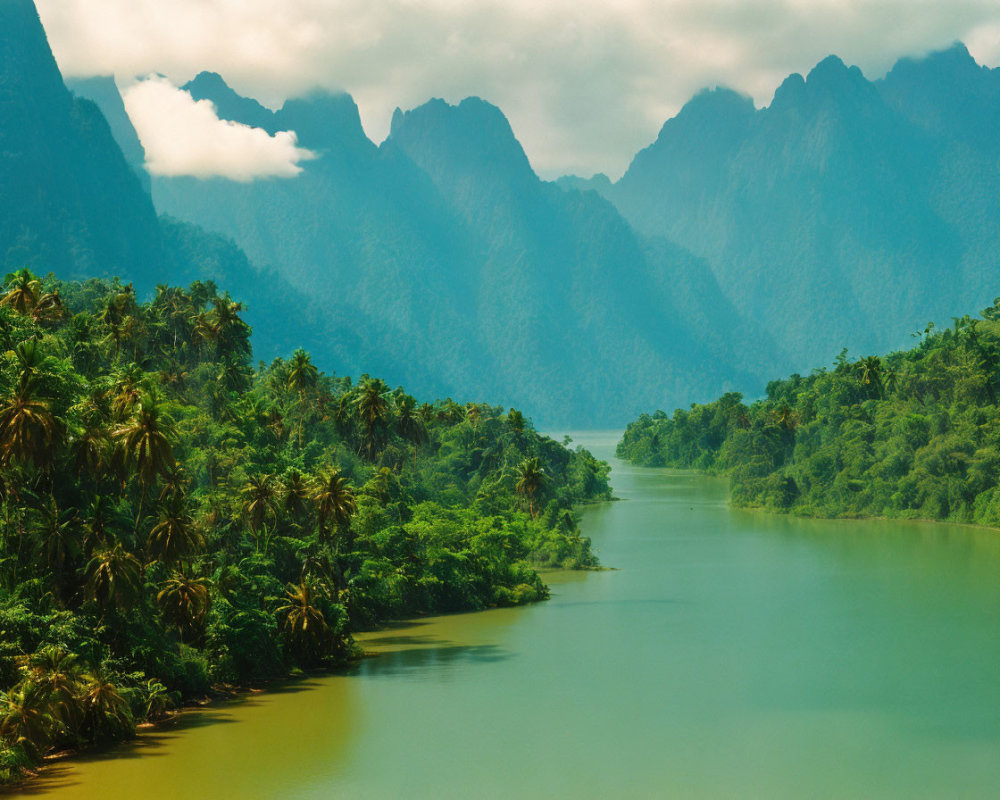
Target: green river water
[730, 654]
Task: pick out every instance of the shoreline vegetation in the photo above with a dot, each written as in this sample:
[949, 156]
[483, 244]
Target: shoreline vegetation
[911, 435]
[178, 518]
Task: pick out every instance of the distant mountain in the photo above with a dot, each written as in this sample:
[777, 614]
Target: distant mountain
[73, 200]
[470, 273]
[103, 92]
[848, 212]
[69, 202]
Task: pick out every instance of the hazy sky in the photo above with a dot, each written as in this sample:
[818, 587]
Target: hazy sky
[585, 83]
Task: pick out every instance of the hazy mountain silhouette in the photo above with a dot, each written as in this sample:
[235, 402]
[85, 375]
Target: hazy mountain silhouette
[480, 279]
[848, 212]
[70, 203]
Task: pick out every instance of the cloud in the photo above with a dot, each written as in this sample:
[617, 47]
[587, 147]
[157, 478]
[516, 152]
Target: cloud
[183, 136]
[585, 83]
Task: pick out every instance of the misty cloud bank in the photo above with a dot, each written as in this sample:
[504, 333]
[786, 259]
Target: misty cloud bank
[585, 83]
[182, 136]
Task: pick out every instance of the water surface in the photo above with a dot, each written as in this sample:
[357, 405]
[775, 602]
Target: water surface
[731, 654]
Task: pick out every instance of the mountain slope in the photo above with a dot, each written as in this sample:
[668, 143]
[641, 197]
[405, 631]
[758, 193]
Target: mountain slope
[473, 272]
[68, 199]
[842, 212]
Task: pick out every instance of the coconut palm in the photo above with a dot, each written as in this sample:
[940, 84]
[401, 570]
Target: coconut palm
[90, 449]
[259, 500]
[373, 412]
[126, 393]
[303, 622]
[302, 377]
[174, 536]
[870, 373]
[334, 499]
[26, 718]
[159, 701]
[114, 578]
[57, 532]
[530, 480]
[295, 495]
[100, 521]
[23, 291]
[28, 429]
[145, 441]
[184, 603]
[49, 308]
[106, 714]
[59, 674]
[409, 424]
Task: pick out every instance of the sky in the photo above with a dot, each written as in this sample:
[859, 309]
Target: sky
[584, 83]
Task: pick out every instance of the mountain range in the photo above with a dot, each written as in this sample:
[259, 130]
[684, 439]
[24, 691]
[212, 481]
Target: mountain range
[846, 213]
[743, 242]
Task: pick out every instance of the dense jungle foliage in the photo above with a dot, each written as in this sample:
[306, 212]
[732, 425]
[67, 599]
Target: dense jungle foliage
[913, 434]
[176, 518]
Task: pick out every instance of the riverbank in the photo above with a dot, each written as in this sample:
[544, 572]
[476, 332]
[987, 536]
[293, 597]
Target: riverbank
[731, 654]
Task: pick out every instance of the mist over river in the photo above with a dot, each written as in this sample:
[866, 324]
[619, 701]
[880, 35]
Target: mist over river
[728, 654]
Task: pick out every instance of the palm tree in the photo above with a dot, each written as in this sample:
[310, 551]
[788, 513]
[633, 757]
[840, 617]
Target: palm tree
[259, 497]
[174, 536]
[114, 578]
[303, 622]
[335, 501]
[410, 426]
[870, 372]
[373, 411]
[106, 713]
[23, 291]
[28, 430]
[127, 390]
[26, 718]
[295, 492]
[530, 481]
[302, 376]
[99, 524]
[891, 381]
[59, 674]
[90, 449]
[57, 533]
[184, 603]
[145, 441]
[32, 360]
[205, 329]
[48, 308]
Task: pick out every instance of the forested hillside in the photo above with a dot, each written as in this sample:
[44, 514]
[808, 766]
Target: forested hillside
[177, 516]
[912, 434]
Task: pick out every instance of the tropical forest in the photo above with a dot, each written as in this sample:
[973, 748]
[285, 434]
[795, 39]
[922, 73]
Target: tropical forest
[913, 434]
[180, 521]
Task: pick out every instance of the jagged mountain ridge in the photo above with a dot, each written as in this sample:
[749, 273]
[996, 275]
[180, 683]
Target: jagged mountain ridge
[70, 202]
[846, 213]
[482, 277]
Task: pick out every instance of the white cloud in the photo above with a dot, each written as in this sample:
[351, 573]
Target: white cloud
[585, 83]
[183, 136]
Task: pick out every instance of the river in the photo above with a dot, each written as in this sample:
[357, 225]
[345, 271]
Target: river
[730, 654]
